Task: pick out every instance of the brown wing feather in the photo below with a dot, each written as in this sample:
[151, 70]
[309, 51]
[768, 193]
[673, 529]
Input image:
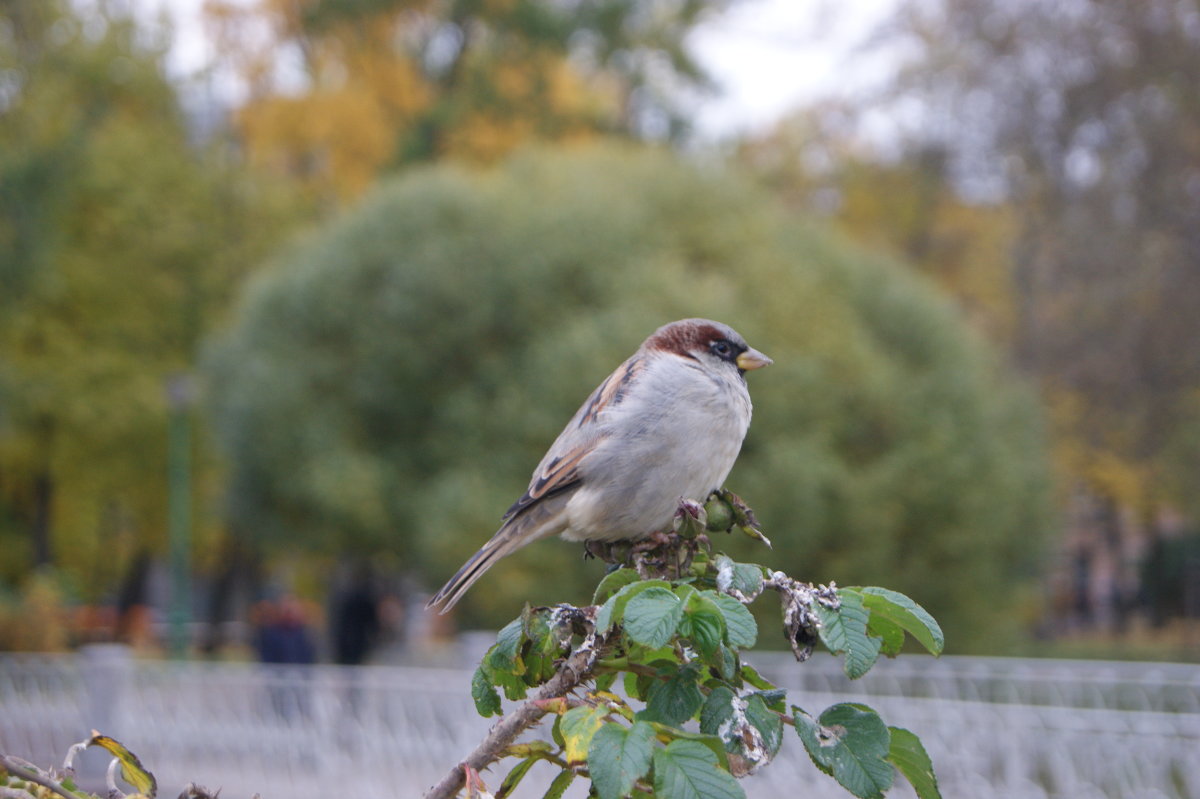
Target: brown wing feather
[542, 520]
[559, 471]
[538, 513]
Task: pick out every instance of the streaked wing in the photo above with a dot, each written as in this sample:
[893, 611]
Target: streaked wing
[559, 469]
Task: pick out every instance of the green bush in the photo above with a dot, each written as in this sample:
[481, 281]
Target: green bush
[391, 381]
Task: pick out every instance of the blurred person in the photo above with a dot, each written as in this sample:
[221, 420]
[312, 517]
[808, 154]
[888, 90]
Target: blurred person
[356, 619]
[284, 641]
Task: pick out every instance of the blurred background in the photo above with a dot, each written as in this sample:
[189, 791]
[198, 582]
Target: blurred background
[295, 293]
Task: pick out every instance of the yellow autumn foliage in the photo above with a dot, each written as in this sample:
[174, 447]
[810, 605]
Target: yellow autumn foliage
[359, 95]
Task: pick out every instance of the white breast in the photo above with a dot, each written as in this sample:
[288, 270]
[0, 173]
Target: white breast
[676, 435]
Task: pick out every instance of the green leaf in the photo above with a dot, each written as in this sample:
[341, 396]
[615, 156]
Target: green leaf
[689, 770]
[577, 727]
[613, 610]
[851, 743]
[717, 710]
[514, 777]
[676, 700]
[907, 754]
[614, 581]
[706, 622]
[634, 686]
[504, 655]
[560, 785]
[513, 685]
[899, 609]
[751, 675]
[891, 635]
[487, 701]
[773, 698]
[712, 742]
[652, 616]
[845, 631]
[618, 757]
[767, 722]
[726, 662]
[741, 630]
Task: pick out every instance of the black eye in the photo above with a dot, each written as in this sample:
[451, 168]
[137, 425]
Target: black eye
[722, 348]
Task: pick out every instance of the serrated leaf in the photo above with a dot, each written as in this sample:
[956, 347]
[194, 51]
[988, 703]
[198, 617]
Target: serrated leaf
[715, 745]
[577, 727]
[487, 701]
[726, 662]
[618, 757]
[560, 785]
[514, 687]
[689, 770]
[717, 710]
[614, 581]
[504, 654]
[741, 630]
[613, 610]
[772, 697]
[851, 743]
[890, 635]
[899, 609]
[652, 616]
[635, 687]
[766, 721]
[751, 675]
[844, 631]
[675, 700]
[706, 622]
[685, 592]
[908, 755]
[514, 777]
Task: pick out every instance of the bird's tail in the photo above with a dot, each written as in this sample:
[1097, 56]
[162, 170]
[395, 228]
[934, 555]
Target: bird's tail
[536, 522]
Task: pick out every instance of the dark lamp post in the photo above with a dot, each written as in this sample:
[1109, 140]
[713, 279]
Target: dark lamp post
[180, 396]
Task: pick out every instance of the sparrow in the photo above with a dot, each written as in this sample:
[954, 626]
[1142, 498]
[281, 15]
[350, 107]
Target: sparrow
[666, 425]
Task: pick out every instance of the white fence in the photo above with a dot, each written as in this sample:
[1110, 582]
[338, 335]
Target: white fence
[995, 727]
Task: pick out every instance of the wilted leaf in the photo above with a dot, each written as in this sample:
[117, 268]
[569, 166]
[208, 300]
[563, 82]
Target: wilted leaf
[577, 727]
[132, 770]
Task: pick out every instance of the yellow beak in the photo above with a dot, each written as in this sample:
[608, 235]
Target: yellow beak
[752, 359]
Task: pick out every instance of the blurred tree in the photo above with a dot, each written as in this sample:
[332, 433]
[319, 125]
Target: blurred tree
[391, 382]
[1085, 117]
[906, 206]
[125, 242]
[340, 90]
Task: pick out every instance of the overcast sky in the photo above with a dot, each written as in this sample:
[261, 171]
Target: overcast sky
[768, 56]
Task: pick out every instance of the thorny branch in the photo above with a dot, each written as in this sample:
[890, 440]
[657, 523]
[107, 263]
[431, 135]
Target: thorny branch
[573, 671]
[15, 767]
